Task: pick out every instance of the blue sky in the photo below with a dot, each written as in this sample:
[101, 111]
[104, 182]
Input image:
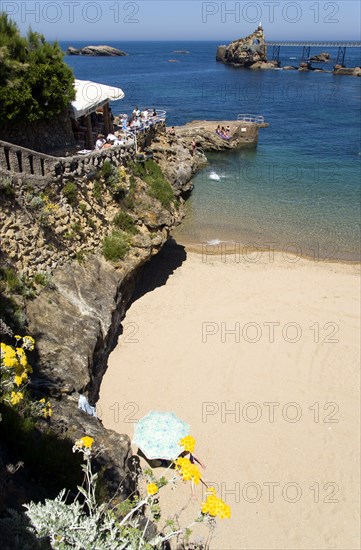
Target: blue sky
[105, 20]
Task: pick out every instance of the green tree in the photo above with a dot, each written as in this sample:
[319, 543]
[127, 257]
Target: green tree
[35, 82]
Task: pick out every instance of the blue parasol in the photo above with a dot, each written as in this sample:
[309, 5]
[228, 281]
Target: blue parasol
[157, 434]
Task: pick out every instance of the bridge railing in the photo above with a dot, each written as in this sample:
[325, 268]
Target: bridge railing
[257, 119]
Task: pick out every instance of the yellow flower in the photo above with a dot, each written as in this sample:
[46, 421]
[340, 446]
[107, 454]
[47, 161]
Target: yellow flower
[47, 412]
[188, 443]
[17, 337]
[215, 506]
[24, 376]
[152, 489]
[22, 357]
[18, 380]
[85, 442]
[187, 470]
[43, 400]
[28, 343]
[16, 397]
[8, 356]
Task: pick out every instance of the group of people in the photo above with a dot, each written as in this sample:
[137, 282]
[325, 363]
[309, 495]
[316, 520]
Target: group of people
[103, 142]
[143, 115]
[223, 132]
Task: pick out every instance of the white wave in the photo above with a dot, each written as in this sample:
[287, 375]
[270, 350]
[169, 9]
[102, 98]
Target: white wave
[292, 58]
[214, 176]
[213, 242]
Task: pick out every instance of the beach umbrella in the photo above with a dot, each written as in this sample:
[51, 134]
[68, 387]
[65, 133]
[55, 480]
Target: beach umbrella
[157, 434]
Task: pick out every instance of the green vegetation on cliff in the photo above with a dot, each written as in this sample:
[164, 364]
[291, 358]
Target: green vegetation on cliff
[159, 187]
[35, 82]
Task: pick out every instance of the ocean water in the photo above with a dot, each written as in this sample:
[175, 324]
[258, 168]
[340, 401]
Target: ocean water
[300, 188]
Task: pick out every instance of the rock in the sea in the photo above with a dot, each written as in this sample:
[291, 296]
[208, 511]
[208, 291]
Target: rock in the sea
[96, 51]
[244, 52]
[323, 57]
[350, 71]
[264, 65]
[289, 68]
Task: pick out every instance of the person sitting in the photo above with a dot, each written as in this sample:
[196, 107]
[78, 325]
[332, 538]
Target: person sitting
[154, 112]
[100, 142]
[172, 131]
[136, 112]
[218, 129]
[145, 114]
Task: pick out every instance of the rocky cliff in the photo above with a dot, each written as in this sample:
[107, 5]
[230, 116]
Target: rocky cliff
[74, 283]
[245, 52]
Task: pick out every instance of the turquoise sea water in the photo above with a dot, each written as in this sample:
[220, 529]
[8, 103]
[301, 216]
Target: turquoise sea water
[302, 183]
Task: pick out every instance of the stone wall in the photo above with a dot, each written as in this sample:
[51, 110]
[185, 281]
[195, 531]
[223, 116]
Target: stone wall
[45, 136]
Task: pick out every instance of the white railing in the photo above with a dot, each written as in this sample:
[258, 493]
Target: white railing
[258, 119]
[161, 114]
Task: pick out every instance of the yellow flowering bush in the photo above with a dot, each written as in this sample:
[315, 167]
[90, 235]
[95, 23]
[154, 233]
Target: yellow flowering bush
[152, 489]
[188, 443]
[85, 442]
[188, 471]
[14, 375]
[16, 397]
[215, 506]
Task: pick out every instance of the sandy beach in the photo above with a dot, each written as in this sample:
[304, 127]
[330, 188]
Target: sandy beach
[262, 359]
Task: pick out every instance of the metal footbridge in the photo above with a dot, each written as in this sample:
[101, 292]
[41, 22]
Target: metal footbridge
[305, 58]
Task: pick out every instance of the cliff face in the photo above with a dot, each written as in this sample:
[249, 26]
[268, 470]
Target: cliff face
[244, 52]
[54, 239]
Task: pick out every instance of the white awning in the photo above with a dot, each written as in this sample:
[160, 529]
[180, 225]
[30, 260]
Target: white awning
[92, 95]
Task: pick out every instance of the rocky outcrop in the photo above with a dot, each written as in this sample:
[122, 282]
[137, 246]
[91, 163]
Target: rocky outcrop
[203, 132]
[96, 51]
[349, 71]
[323, 57]
[264, 65]
[244, 52]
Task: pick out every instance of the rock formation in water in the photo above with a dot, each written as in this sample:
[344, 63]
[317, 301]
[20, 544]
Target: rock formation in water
[323, 57]
[245, 52]
[96, 51]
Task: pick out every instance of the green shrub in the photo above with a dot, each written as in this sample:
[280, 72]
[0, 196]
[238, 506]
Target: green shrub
[76, 227]
[70, 192]
[123, 221]
[113, 179]
[80, 256]
[97, 191]
[159, 187]
[115, 246]
[6, 187]
[35, 82]
[43, 279]
[13, 283]
[105, 170]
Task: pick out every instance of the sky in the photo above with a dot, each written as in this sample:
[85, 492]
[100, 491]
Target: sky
[108, 20]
